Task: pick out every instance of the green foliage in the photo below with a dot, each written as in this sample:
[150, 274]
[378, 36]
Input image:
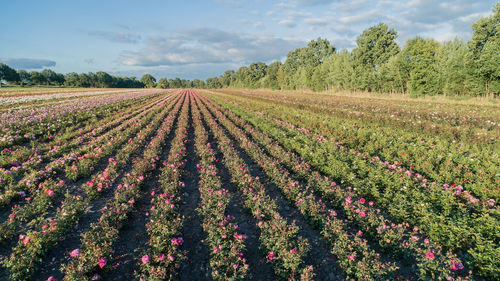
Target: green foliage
[24, 77]
[375, 46]
[162, 84]
[419, 60]
[483, 59]
[8, 74]
[148, 80]
[311, 56]
[37, 78]
[451, 67]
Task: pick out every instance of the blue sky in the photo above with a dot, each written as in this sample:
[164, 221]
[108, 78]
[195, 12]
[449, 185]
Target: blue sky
[199, 39]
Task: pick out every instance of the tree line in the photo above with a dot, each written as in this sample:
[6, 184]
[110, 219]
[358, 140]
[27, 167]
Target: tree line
[100, 79]
[378, 64]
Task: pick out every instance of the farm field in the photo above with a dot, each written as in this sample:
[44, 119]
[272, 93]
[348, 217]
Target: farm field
[246, 185]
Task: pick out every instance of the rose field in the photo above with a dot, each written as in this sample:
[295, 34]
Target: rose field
[170, 184]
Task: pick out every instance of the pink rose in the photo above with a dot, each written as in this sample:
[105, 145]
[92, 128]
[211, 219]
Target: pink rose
[75, 253]
[103, 262]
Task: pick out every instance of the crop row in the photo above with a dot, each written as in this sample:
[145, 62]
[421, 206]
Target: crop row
[365, 183]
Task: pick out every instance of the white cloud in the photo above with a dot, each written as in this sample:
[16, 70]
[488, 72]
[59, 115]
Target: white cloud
[316, 21]
[288, 22]
[362, 17]
[197, 45]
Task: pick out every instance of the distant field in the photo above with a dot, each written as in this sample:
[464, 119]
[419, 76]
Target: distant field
[232, 184]
[22, 96]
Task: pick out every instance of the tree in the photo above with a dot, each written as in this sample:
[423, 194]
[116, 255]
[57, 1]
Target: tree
[148, 80]
[257, 72]
[312, 55]
[213, 83]
[340, 71]
[271, 78]
[418, 59]
[240, 77]
[198, 84]
[24, 77]
[84, 80]
[50, 76]
[376, 45]
[389, 77]
[162, 84]
[71, 79]
[8, 74]
[37, 78]
[451, 68]
[175, 83]
[227, 78]
[483, 60]
[281, 77]
[104, 80]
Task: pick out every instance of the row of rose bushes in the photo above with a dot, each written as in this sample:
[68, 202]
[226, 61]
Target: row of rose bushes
[26, 123]
[367, 218]
[103, 180]
[47, 185]
[224, 239]
[17, 99]
[450, 120]
[445, 220]
[354, 256]
[18, 158]
[432, 155]
[97, 244]
[49, 152]
[400, 111]
[279, 240]
[458, 190]
[162, 257]
[25, 257]
[478, 206]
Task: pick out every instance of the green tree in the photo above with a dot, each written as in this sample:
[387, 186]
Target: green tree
[227, 78]
[104, 80]
[451, 67]
[162, 84]
[50, 76]
[375, 46]
[306, 59]
[390, 78]
[37, 78]
[199, 84]
[240, 77]
[175, 83]
[271, 78]
[85, 80]
[148, 80]
[24, 77]
[71, 79]
[257, 72]
[339, 71]
[213, 83]
[8, 74]
[419, 61]
[312, 55]
[483, 60]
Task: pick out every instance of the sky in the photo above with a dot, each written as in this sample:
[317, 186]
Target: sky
[200, 39]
